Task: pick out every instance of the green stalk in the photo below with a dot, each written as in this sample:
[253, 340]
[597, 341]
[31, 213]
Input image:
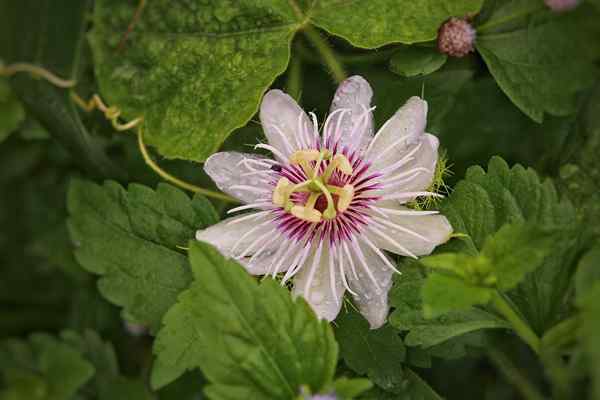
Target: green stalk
[328, 56]
[520, 327]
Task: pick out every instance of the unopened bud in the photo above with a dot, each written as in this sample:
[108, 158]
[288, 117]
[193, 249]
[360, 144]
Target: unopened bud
[561, 5]
[456, 37]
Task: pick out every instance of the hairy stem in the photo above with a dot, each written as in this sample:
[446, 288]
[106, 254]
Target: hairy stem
[293, 85]
[520, 327]
[176, 181]
[329, 58]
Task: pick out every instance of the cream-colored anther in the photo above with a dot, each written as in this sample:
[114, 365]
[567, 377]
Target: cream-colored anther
[281, 192]
[300, 156]
[306, 214]
[345, 196]
[339, 162]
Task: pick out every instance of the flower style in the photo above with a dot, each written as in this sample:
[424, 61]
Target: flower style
[330, 203]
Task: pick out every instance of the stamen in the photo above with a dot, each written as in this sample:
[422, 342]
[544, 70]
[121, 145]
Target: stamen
[345, 196]
[329, 212]
[308, 212]
[339, 162]
[281, 192]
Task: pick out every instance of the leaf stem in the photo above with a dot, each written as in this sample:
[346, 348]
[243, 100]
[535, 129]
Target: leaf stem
[520, 327]
[329, 58]
[513, 375]
[293, 85]
[176, 181]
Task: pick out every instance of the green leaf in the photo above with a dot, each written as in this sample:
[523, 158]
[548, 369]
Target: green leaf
[39, 32]
[131, 238]
[59, 370]
[414, 388]
[516, 250]
[250, 340]
[195, 74]
[414, 60]
[376, 353]
[378, 22]
[350, 388]
[11, 111]
[579, 176]
[588, 274]
[442, 294]
[405, 297]
[543, 65]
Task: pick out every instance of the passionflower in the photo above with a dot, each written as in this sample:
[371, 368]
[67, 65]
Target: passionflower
[329, 204]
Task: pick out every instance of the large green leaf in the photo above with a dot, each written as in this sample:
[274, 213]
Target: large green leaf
[194, 71]
[375, 23]
[43, 367]
[251, 341]
[377, 353]
[541, 66]
[51, 36]
[198, 72]
[131, 238]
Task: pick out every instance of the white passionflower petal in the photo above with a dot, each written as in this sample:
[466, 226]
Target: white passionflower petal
[371, 292]
[404, 234]
[320, 284]
[356, 126]
[246, 177]
[416, 172]
[286, 125]
[330, 202]
[244, 237]
[398, 134]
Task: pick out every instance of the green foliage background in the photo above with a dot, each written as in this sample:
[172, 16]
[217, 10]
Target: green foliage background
[105, 295]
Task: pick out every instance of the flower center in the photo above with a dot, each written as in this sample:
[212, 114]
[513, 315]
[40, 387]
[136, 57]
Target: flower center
[321, 198]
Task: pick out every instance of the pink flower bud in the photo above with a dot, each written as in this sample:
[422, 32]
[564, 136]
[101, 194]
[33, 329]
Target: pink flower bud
[456, 37]
[561, 5]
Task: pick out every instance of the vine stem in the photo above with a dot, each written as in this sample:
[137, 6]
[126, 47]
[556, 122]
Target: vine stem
[513, 375]
[36, 71]
[520, 327]
[174, 180]
[329, 57]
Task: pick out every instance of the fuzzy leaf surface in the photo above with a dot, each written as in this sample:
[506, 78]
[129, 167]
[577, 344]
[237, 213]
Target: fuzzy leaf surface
[250, 340]
[130, 238]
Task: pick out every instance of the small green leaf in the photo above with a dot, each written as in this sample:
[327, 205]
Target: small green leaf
[250, 340]
[442, 294]
[590, 326]
[414, 60]
[350, 388]
[60, 371]
[543, 65]
[414, 387]
[379, 22]
[376, 353]
[131, 239]
[516, 250]
[506, 258]
[405, 297]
